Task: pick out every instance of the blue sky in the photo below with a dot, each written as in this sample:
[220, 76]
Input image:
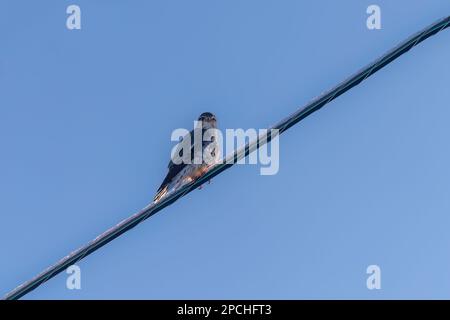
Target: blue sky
[85, 123]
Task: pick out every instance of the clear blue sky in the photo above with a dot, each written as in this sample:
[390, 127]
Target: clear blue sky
[85, 124]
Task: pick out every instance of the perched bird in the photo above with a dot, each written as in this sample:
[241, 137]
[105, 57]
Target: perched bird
[189, 169]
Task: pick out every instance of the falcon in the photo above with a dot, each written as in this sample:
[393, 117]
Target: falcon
[188, 171]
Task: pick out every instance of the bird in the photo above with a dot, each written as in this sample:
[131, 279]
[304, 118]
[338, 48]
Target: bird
[188, 171]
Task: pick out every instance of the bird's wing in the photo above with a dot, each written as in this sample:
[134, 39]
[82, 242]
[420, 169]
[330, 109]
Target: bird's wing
[174, 169]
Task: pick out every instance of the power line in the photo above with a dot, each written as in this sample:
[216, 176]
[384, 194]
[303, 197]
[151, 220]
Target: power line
[282, 126]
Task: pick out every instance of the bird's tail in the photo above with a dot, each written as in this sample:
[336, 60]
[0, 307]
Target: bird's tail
[161, 193]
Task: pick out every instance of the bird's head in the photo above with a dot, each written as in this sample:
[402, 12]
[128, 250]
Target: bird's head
[208, 120]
